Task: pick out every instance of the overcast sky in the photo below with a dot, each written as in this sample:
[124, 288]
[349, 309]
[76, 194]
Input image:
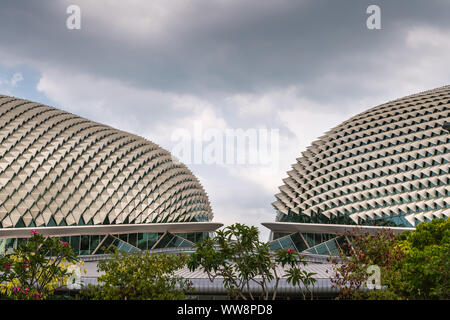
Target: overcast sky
[153, 67]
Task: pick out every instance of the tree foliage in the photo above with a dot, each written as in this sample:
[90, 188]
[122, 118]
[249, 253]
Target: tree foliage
[363, 251]
[296, 275]
[425, 271]
[236, 255]
[140, 276]
[414, 265]
[37, 268]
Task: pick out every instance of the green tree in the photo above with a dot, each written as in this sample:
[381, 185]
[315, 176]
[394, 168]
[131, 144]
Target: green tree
[236, 255]
[296, 275]
[363, 251]
[413, 265]
[37, 268]
[424, 273]
[140, 276]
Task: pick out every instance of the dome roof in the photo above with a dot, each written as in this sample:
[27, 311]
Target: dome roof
[386, 166]
[59, 169]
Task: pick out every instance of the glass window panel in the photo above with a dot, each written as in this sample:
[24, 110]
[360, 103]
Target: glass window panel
[312, 250]
[152, 238]
[164, 241]
[124, 246]
[75, 243]
[275, 245]
[132, 239]
[322, 249]
[84, 245]
[182, 235]
[310, 239]
[108, 241]
[10, 244]
[332, 246]
[142, 241]
[123, 237]
[287, 243]
[95, 240]
[298, 242]
[186, 244]
[175, 242]
[191, 237]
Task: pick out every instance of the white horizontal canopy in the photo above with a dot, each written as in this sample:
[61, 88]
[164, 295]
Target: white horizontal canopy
[63, 231]
[292, 227]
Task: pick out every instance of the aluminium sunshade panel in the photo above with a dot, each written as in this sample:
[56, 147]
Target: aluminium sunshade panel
[59, 169]
[387, 164]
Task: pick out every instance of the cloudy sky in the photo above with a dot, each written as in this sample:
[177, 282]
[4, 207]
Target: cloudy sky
[155, 67]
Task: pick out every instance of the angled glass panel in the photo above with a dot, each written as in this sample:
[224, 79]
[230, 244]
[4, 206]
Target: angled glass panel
[275, 245]
[287, 243]
[298, 242]
[165, 241]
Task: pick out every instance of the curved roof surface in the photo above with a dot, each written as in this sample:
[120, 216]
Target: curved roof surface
[386, 166]
[59, 169]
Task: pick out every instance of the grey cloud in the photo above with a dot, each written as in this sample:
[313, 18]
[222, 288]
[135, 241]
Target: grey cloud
[250, 46]
[212, 50]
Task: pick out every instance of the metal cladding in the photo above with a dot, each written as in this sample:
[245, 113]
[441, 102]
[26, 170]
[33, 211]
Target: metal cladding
[58, 169]
[386, 166]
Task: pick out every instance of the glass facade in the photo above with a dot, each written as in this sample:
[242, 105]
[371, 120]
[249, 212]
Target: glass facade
[97, 244]
[306, 242]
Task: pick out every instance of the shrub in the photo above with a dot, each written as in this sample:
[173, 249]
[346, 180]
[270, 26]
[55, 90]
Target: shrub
[37, 268]
[140, 276]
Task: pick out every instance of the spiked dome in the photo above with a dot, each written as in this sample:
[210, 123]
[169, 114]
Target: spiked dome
[386, 166]
[58, 169]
